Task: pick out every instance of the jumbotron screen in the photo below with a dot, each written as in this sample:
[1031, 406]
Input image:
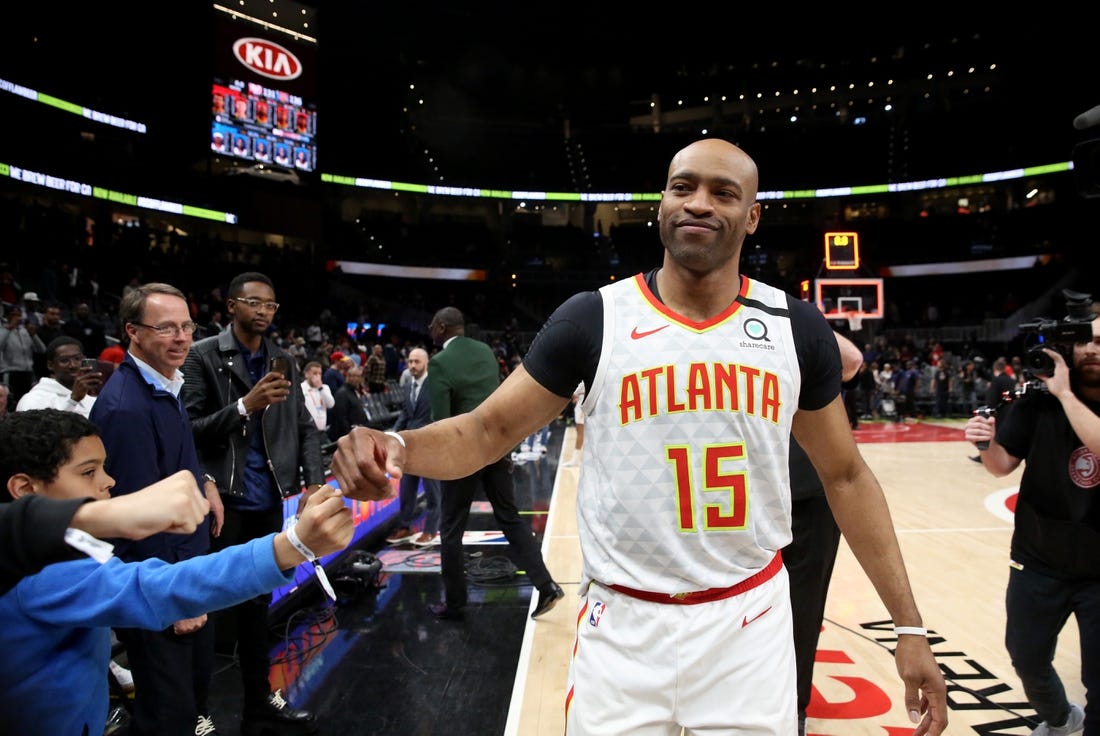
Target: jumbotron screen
[263, 124]
[263, 97]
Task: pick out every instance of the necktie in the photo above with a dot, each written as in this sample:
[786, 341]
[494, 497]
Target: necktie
[415, 391]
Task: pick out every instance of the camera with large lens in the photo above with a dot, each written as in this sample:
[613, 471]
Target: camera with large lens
[1060, 335]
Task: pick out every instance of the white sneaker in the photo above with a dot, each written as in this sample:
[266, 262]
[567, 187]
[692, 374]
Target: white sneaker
[525, 447]
[122, 676]
[1073, 724]
[539, 448]
[205, 727]
[518, 458]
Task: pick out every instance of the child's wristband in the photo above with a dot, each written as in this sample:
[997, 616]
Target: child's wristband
[298, 544]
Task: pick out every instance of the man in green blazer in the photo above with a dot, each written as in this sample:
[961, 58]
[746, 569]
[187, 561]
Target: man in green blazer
[463, 374]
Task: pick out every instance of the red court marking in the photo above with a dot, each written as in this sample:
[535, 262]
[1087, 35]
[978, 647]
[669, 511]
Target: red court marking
[865, 700]
[897, 432]
[832, 655]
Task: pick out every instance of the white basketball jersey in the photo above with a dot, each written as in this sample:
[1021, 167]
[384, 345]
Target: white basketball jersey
[685, 483]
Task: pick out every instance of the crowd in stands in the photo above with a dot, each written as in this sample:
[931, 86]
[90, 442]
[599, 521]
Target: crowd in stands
[76, 291]
[910, 374]
[32, 319]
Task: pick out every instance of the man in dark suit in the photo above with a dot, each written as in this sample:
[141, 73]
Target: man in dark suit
[464, 373]
[347, 409]
[415, 413]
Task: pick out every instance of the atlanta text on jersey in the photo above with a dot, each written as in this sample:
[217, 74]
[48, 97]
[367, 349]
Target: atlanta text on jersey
[705, 387]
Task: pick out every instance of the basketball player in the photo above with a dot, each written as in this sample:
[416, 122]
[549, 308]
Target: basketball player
[696, 376]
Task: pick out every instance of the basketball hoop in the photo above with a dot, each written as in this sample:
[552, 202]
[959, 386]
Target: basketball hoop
[855, 321]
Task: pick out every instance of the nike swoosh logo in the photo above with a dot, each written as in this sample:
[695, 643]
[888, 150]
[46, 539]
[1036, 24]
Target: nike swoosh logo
[635, 335]
[745, 621]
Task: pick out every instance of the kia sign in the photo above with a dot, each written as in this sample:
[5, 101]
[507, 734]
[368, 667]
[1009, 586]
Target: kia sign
[261, 56]
[267, 58]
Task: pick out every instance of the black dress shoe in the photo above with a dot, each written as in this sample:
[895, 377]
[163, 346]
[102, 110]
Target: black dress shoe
[275, 716]
[548, 596]
[445, 613]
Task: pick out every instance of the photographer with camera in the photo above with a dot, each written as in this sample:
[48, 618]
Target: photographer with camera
[1055, 549]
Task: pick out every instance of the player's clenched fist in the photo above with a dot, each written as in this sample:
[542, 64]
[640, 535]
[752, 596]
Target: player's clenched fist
[359, 464]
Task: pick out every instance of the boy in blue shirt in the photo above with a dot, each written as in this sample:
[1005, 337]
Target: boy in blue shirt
[57, 623]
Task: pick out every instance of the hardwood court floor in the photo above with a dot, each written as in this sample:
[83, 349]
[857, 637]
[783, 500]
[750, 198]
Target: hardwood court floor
[380, 664]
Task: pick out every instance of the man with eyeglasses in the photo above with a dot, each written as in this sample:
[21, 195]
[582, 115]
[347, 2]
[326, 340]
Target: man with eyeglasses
[147, 435]
[70, 386]
[257, 439]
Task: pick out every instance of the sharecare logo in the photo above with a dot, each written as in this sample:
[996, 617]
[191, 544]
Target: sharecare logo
[267, 58]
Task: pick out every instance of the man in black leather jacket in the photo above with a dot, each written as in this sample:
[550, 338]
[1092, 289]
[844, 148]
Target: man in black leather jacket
[252, 431]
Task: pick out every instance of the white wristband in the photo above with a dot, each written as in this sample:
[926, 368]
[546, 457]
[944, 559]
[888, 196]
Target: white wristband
[97, 549]
[912, 630]
[240, 407]
[292, 537]
[322, 577]
[397, 437]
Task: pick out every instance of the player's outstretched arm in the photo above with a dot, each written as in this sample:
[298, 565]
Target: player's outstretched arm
[448, 448]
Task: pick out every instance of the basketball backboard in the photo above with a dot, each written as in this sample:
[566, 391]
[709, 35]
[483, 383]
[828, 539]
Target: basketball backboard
[845, 298]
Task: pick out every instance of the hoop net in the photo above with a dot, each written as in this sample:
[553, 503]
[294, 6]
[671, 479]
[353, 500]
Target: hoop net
[855, 321]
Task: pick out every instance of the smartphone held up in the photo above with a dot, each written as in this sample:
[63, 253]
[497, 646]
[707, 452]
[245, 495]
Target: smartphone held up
[281, 364]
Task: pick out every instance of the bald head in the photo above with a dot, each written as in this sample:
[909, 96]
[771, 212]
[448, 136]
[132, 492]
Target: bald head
[708, 206]
[417, 362]
[721, 157]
